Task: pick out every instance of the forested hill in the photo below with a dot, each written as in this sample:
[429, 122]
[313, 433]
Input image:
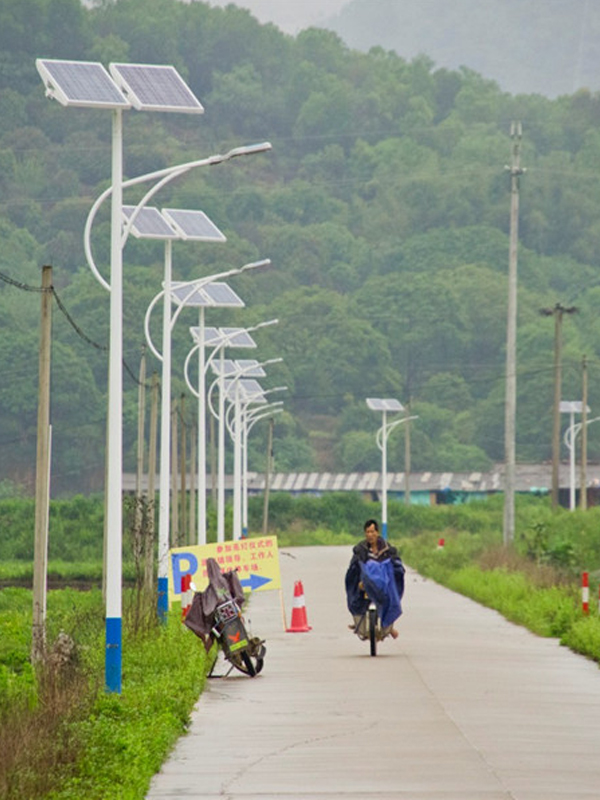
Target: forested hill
[384, 207]
[551, 47]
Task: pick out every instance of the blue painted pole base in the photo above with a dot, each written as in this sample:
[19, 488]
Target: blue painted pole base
[163, 599]
[112, 674]
[384, 530]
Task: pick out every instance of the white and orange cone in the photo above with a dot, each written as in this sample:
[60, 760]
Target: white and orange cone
[299, 623]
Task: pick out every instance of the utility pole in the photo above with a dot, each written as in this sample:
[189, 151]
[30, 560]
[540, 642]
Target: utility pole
[193, 483]
[557, 312]
[140, 441]
[42, 476]
[152, 451]
[584, 399]
[407, 456]
[510, 408]
[184, 538]
[268, 471]
[174, 487]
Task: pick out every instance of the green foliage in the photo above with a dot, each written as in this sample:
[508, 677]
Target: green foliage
[75, 529]
[384, 207]
[108, 746]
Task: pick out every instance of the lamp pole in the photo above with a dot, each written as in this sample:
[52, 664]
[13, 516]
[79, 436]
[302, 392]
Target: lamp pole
[557, 312]
[227, 340]
[169, 320]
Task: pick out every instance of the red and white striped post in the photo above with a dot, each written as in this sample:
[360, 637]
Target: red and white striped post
[585, 592]
[187, 594]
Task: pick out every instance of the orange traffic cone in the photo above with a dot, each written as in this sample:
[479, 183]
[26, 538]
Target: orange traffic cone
[299, 622]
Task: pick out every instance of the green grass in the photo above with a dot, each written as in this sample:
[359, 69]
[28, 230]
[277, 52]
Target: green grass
[544, 598]
[94, 745]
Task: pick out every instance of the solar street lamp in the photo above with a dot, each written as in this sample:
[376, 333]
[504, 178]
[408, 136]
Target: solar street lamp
[385, 405]
[205, 338]
[230, 339]
[206, 292]
[239, 391]
[572, 407]
[251, 417]
[144, 87]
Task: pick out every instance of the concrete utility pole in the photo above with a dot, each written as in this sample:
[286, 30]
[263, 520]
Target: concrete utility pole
[174, 486]
[557, 312]
[140, 441]
[183, 538]
[268, 470]
[42, 476]
[407, 457]
[510, 407]
[152, 451]
[584, 400]
[193, 483]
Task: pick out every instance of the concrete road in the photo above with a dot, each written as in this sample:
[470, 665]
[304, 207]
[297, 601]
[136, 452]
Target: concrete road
[462, 706]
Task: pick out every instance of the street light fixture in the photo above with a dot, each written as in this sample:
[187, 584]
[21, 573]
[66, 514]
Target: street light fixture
[240, 391]
[250, 419]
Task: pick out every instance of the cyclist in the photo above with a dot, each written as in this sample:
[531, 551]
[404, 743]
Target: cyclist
[375, 572]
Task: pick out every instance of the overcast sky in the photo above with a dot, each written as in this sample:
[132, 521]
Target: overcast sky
[289, 15]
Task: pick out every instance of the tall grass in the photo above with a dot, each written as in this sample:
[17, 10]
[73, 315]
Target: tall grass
[61, 736]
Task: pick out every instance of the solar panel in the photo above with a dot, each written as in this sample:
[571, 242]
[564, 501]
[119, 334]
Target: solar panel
[212, 336]
[572, 407]
[194, 225]
[222, 295]
[238, 337]
[226, 367]
[250, 368]
[250, 390]
[152, 87]
[80, 83]
[233, 337]
[149, 223]
[186, 294]
[384, 404]
[211, 295]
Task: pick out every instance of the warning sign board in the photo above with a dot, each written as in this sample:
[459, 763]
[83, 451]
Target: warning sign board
[256, 561]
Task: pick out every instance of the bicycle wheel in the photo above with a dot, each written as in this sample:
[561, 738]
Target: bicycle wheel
[373, 630]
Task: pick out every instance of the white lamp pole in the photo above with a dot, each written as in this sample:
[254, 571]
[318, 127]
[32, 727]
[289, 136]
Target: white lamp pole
[250, 419]
[169, 320]
[384, 405]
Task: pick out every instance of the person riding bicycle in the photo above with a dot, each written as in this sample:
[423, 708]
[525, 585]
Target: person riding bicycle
[376, 572]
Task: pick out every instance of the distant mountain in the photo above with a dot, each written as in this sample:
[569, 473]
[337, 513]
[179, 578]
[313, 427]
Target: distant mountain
[549, 47]
[290, 16]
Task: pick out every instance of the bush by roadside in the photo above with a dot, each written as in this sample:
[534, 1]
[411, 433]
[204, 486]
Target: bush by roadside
[543, 597]
[61, 736]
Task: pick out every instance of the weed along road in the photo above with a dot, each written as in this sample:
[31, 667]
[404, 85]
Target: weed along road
[462, 706]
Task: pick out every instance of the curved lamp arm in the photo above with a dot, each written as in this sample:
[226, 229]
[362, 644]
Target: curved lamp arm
[162, 177]
[227, 340]
[389, 428]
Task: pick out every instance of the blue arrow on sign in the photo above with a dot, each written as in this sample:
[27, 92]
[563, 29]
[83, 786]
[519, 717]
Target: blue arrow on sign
[255, 582]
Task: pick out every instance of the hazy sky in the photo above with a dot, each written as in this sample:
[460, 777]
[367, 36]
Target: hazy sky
[289, 15]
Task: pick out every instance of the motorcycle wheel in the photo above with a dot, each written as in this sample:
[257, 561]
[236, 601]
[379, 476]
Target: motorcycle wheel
[373, 631]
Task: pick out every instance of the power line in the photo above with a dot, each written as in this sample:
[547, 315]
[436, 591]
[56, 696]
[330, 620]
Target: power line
[104, 348]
